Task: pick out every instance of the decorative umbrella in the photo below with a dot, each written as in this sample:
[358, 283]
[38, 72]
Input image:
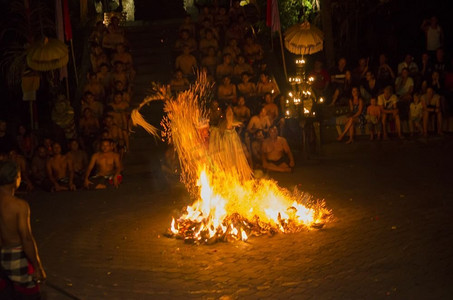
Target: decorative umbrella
[48, 54]
[304, 39]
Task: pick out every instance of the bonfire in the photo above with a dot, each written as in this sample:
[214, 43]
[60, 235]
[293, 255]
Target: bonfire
[229, 203]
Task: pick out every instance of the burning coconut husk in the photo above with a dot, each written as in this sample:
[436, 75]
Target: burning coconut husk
[229, 203]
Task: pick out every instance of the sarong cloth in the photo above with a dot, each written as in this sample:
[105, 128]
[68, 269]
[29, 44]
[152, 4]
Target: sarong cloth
[18, 269]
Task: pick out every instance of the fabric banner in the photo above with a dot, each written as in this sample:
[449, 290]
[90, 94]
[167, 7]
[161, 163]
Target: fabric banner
[67, 21]
[272, 15]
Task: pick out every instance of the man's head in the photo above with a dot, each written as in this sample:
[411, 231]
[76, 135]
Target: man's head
[42, 152]
[106, 145]
[388, 91]
[273, 132]
[56, 148]
[268, 98]
[373, 101]
[9, 173]
[73, 145]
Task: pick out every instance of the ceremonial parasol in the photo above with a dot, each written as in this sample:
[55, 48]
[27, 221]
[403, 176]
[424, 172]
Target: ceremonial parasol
[304, 39]
[47, 54]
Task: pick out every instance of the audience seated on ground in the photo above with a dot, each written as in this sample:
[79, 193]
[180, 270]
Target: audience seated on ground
[416, 115]
[26, 141]
[60, 171]
[388, 103]
[79, 159]
[374, 120]
[106, 165]
[124, 57]
[210, 61]
[186, 62]
[431, 110]
[119, 136]
[226, 92]
[89, 128]
[266, 85]
[252, 50]
[178, 83]
[241, 111]
[225, 68]
[384, 75]
[38, 167]
[276, 154]
[356, 116]
[241, 67]
[207, 42]
[96, 107]
[94, 86]
[119, 74]
[246, 87]
[233, 49]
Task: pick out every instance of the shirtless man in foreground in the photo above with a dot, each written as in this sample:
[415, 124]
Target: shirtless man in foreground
[60, 170]
[108, 167]
[276, 153]
[20, 262]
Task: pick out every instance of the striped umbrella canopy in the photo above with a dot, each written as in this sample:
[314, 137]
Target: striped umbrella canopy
[304, 39]
[47, 54]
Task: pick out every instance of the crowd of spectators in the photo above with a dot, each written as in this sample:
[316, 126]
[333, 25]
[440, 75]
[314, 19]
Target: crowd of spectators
[93, 142]
[413, 97]
[222, 43]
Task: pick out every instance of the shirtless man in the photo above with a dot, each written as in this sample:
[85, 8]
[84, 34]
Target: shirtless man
[22, 163]
[94, 87]
[260, 121]
[60, 170]
[266, 85]
[186, 62]
[78, 157]
[108, 167]
[276, 154]
[226, 92]
[19, 253]
[117, 135]
[241, 111]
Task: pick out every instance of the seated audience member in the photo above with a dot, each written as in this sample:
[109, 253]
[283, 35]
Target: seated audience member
[108, 167]
[94, 87]
[119, 74]
[373, 118]
[271, 108]
[206, 26]
[79, 160]
[118, 110]
[96, 107]
[60, 170]
[226, 92]
[119, 137]
[186, 62]
[188, 25]
[409, 64]
[266, 85]
[246, 87]
[235, 10]
[21, 162]
[337, 77]
[241, 111]
[370, 87]
[221, 19]
[358, 73]
[105, 76]
[253, 51]
[276, 154]
[260, 121]
[210, 61]
[321, 79]
[440, 63]
[426, 68]
[233, 49]
[388, 103]
[88, 128]
[185, 40]
[404, 86]
[416, 115]
[435, 83]
[118, 87]
[178, 83]
[97, 57]
[431, 108]
[205, 15]
[356, 116]
[241, 67]
[124, 57]
[341, 93]
[234, 31]
[384, 75]
[225, 68]
[111, 39]
[39, 167]
[98, 33]
[26, 141]
[207, 42]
